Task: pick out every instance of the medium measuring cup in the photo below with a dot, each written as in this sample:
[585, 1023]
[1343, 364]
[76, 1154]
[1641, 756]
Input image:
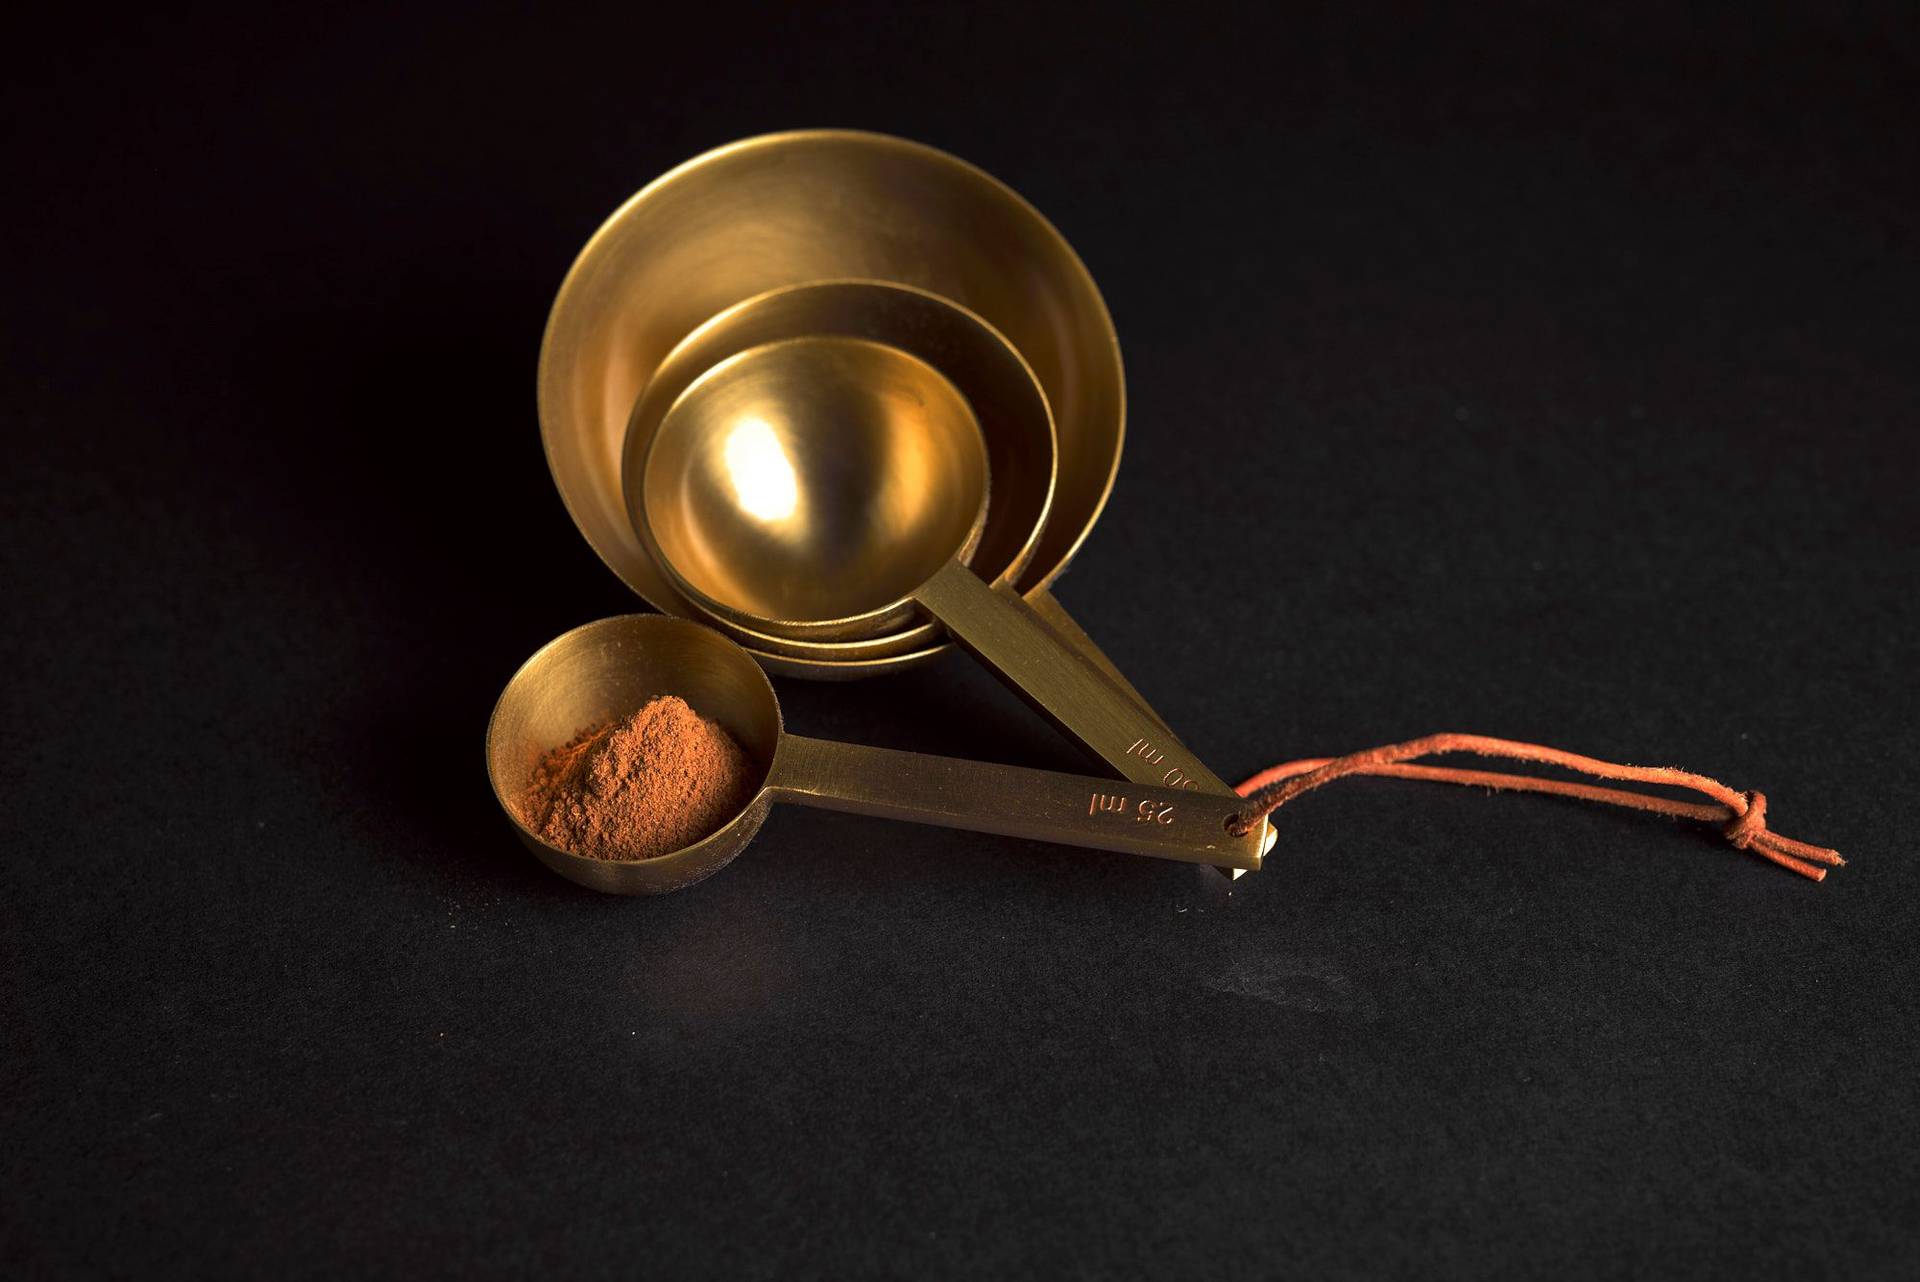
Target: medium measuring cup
[999, 386]
[611, 668]
[830, 487]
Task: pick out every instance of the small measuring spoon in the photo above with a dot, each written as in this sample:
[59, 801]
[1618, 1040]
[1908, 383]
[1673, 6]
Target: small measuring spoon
[612, 667]
[831, 485]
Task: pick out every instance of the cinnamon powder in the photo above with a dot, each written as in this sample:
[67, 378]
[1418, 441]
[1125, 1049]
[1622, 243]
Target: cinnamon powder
[662, 779]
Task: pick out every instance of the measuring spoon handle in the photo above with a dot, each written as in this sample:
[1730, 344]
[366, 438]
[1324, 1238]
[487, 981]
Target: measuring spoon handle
[1067, 688]
[983, 796]
[1050, 612]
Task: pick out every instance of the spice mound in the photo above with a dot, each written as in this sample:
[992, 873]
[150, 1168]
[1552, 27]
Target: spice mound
[662, 779]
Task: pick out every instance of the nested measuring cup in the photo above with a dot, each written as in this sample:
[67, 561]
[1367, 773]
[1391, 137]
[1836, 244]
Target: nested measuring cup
[829, 487]
[612, 667]
[1000, 388]
[820, 205]
[795, 484]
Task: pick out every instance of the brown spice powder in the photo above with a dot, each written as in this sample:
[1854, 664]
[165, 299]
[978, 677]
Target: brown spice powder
[662, 779]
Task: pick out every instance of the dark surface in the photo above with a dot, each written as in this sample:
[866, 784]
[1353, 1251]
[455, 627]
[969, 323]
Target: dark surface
[1553, 377]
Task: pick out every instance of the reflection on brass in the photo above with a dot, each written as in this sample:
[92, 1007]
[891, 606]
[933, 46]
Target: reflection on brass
[611, 668]
[1047, 606]
[1000, 389]
[817, 205]
[808, 487]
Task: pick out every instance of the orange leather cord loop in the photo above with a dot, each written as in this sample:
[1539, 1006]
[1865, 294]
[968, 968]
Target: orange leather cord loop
[1742, 816]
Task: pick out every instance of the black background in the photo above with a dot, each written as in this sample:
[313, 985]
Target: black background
[1534, 371]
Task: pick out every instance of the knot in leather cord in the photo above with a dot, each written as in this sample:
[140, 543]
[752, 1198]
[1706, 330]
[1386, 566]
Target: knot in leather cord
[1745, 827]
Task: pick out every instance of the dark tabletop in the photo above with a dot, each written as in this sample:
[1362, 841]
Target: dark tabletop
[1547, 373]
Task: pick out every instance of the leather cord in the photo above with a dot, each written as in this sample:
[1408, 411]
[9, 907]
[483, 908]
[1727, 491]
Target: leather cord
[1741, 816]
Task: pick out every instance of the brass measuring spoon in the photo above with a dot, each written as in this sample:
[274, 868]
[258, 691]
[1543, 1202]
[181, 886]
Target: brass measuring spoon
[612, 667]
[828, 486]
